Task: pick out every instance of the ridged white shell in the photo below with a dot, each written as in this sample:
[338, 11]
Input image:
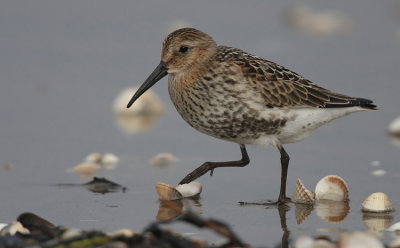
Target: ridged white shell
[192, 189]
[167, 192]
[377, 221]
[377, 203]
[302, 194]
[332, 188]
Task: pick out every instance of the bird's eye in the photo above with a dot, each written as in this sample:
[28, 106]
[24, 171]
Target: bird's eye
[183, 49]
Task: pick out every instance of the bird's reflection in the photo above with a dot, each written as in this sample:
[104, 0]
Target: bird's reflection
[329, 211]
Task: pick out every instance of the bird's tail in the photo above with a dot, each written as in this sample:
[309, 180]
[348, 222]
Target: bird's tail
[364, 103]
[352, 102]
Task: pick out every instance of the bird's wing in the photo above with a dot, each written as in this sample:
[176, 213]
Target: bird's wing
[280, 87]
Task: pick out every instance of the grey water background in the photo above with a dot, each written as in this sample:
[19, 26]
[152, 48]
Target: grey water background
[62, 63]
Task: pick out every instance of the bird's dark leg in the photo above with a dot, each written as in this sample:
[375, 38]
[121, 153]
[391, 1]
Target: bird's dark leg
[284, 164]
[210, 166]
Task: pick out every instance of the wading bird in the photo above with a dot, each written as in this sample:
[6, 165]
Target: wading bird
[232, 95]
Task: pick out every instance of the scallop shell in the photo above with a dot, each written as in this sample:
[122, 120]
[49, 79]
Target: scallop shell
[302, 194]
[192, 189]
[332, 188]
[167, 192]
[377, 203]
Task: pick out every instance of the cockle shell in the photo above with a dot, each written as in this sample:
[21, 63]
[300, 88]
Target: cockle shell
[302, 194]
[332, 188]
[192, 189]
[168, 192]
[377, 203]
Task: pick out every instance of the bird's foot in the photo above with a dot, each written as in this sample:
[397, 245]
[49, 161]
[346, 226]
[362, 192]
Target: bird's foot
[280, 202]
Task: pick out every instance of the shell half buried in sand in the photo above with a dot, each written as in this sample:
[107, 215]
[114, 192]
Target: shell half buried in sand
[168, 192]
[332, 188]
[302, 194]
[377, 203]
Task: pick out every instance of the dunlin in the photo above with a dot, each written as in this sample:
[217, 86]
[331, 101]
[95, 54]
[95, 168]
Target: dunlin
[235, 96]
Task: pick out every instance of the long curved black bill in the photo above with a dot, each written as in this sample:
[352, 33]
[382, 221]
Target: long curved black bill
[158, 73]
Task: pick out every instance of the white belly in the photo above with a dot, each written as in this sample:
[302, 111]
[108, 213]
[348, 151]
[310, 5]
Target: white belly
[301, 123]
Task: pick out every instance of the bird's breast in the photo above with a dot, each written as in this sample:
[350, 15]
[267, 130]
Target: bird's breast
[223, 110]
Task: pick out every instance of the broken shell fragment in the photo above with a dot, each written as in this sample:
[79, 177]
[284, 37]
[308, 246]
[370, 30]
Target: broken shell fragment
[377, 203]
[302, 194]
[332, 188]
[168, 192]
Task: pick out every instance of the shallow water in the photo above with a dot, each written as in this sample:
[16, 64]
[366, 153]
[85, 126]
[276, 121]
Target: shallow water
[63, 63]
